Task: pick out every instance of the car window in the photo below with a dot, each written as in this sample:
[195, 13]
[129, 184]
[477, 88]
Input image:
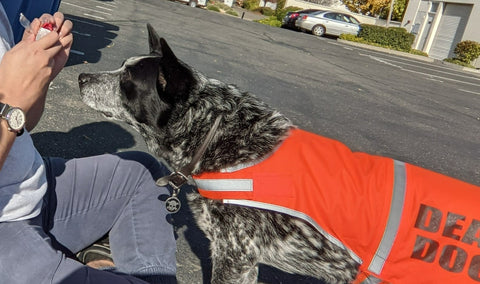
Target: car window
[339, 17]
[353, 20]
[330, 16]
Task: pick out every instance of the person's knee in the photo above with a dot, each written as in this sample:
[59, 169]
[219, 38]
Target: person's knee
[148, 161]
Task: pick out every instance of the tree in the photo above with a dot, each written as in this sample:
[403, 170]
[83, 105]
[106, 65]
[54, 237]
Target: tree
[377, 8]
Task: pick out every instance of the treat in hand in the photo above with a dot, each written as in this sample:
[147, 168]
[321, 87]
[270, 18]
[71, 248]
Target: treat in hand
[44, 29]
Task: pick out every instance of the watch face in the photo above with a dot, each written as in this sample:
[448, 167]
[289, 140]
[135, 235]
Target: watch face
[16, 119]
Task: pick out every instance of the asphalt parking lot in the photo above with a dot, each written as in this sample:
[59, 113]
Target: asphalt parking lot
[415, 111]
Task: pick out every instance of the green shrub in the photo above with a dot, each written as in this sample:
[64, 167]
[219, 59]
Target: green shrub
[232, 12]
[355, 38]
[392, 37]
[280, 13]
[418, 52]
[467, 51]
[213, 8]
[458, 62]
[250, 4]
[351, 37]
[271, 21]
[281, 4]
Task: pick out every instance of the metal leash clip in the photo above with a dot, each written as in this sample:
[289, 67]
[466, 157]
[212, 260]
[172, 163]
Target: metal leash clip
[179, 178]
[175, 180]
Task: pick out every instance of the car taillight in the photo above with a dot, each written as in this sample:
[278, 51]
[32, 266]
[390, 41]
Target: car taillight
[304, 17]
[294, 15]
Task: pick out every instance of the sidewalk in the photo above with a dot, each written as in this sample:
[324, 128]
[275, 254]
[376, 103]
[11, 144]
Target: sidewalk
[247, 15]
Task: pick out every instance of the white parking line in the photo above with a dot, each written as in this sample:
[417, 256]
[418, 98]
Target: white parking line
[471, 92]
[436, 80]
[85, 22]
[429, 76]
[93, 16]
[449, 71]
[113, 5]
[105, 8]
[85, 8]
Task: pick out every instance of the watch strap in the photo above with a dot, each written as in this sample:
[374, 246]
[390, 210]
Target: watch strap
[3, 109]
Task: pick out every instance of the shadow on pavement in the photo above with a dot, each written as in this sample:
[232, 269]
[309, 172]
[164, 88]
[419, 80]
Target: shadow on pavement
[90, 37]
[86, 140]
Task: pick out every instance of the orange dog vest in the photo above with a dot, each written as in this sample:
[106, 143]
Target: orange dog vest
[402, 223]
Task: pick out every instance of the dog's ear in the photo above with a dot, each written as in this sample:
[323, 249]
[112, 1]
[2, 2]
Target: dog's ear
[175, 79]
[154, 40]
[159, 45]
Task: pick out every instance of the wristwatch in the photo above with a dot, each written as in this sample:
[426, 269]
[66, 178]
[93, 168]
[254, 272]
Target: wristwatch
[15, 118]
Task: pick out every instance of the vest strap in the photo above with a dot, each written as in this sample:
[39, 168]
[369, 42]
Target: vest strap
[394, 218]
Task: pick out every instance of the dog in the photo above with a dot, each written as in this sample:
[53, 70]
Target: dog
[406, 234]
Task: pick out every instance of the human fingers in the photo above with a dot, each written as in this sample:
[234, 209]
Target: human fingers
[59, 20]
[48, 41]
[48, 19]
[32, 30]
[53, 50]
[66, 42]
[66, 28]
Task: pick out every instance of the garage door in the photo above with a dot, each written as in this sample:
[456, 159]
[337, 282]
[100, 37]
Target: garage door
[450, 30]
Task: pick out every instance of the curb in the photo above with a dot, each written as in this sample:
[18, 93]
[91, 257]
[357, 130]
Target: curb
[409, 55]
[389, 51]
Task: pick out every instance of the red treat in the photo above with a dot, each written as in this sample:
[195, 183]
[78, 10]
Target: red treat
[48, 26]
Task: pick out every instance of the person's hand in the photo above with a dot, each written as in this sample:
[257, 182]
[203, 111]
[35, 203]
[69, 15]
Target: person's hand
[26, 71]
[63, 28]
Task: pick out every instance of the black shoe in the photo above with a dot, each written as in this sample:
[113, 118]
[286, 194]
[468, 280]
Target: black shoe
[98, 251]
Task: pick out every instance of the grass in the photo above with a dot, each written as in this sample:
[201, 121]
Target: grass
[458, 62]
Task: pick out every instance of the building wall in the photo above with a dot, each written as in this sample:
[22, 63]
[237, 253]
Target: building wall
[432, 22]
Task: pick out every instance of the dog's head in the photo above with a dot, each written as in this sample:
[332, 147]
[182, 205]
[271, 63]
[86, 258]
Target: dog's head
[144, 89]
[174, 106]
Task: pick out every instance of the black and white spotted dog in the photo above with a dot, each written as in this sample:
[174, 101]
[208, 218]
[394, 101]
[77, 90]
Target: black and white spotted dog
[173, 107]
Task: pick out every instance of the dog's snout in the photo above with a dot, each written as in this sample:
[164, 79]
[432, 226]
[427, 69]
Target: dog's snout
[83, 78]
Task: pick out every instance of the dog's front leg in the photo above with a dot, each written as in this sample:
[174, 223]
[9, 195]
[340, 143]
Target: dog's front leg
[234, 257]
[233, 271]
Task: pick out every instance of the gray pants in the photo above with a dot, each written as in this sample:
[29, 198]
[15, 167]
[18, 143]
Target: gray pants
[87, 198]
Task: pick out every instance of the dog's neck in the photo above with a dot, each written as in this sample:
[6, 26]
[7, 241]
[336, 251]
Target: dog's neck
[235, 142]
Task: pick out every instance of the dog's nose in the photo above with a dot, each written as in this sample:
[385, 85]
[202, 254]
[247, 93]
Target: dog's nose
[83, 78]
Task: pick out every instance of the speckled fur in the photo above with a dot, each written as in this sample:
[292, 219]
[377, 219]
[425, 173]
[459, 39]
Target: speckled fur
[174, 110]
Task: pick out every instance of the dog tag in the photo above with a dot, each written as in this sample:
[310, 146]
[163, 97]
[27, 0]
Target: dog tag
[173, 204]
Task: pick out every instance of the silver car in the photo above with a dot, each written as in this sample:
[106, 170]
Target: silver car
[328, 22]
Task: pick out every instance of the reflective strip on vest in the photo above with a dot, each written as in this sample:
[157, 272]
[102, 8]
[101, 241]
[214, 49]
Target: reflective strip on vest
[372, 280]
[294, 213]
[225, 184]
[394, 218]
[390, 232]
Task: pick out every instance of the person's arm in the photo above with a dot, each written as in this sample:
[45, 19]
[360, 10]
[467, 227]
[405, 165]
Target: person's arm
[26, 71]
[6, 141]
[65, 40]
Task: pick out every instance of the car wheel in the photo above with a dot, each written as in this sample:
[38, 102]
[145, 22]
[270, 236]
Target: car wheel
[318, 30]
[192, 4]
